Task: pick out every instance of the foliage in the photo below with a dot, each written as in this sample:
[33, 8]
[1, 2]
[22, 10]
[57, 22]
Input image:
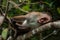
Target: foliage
[4, 33]
[31, 5]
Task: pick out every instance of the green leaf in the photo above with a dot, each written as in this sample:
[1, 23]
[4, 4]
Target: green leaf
[4, 2]
[4, 33]
[58, 9]
[26, 7]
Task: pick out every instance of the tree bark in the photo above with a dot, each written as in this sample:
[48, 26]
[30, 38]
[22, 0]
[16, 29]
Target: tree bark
[41, 28]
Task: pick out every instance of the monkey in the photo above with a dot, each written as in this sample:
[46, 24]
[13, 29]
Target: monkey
[30, 21]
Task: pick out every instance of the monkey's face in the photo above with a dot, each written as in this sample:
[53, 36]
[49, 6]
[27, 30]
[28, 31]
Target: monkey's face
[45, 18]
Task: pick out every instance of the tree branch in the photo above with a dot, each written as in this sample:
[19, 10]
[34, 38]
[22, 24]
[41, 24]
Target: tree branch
[40, 29]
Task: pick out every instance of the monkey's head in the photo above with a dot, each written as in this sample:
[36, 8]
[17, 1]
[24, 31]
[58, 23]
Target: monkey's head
[39, 17]
[32, 19]
[44, 18]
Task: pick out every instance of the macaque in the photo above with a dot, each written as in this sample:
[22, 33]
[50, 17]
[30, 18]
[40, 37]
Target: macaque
[30, 21]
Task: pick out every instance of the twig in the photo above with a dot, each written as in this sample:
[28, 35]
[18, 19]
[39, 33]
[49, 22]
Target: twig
[16, 6]
[54, 32]
[28, 3]
[2, 6]
[2, 13]
[10, 23]
[7, 4]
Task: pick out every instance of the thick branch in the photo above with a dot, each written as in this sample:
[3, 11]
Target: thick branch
[41, 28]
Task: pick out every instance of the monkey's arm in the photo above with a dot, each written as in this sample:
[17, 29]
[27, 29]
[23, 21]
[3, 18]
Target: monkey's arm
[19, 17]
